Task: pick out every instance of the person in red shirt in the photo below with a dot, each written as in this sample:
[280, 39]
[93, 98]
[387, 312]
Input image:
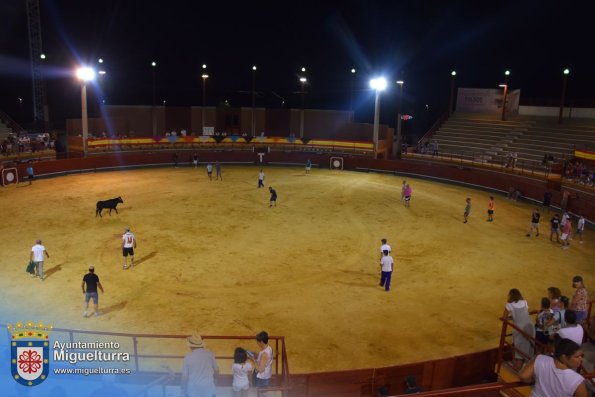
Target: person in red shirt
[491, 207]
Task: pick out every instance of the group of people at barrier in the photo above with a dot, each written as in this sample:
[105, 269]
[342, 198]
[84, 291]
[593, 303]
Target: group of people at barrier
[551, 342]
[25, 143]
[578, 172]
[249, 368]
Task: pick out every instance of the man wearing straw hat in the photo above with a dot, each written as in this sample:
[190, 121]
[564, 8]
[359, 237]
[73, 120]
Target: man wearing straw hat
[199, 369]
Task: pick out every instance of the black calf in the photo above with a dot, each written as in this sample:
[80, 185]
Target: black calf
[111, 204]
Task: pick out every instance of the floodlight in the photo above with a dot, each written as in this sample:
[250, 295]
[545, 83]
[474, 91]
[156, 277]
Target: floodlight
[379, 83]
[85, 74]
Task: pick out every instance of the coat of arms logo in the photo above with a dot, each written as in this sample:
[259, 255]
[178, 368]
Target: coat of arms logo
[29, 348]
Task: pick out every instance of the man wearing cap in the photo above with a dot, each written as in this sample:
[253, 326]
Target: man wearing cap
[128, 246]
[199, 369]
[37, 252]
[89, 286]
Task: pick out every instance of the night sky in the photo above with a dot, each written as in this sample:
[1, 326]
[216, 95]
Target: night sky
[419, 42]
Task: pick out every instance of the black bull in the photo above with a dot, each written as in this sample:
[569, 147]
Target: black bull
[105, 204]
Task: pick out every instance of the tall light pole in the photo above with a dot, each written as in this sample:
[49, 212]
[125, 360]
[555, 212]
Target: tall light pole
[204, 76]
[378, 84]
[303, 80]
[505, 86]
[565, 74]
[253, 99]
[153, 113]
[351, 95]
[85, 75]
[451, 103]
[399, 121]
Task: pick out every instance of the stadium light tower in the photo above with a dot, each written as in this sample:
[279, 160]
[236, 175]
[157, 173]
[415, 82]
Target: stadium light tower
[85, 75]
[153, 112]
[204, 77]
[351, 95]
[565, 74]
[401, 83]
[505, 86]
[303, 81]
[378, 84]
[451, 103]
[253, 99]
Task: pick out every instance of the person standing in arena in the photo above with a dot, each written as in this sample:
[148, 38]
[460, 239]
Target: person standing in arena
[407, 192]
[403, 191]
[128, 246]
[491, 209]
[273, 197]
[195, 160]
[580, 227]
[534, 223]
[37, 253]
[467, 209]
[261, 179]
[555, 228]
[218, 171]
[565, 237]
[386, 264]
[384, 247]
[210, 171]
[89, 286]
[30, 174]
[308, 166]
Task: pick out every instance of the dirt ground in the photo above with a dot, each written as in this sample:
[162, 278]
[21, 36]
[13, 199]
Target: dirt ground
[214, 257]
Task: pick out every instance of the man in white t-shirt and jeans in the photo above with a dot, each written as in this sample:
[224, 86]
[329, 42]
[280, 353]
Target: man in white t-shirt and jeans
[128, 246]
[386, 264]
[37, 252]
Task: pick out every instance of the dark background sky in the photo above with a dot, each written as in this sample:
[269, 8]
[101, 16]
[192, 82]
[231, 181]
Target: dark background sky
[417, 41]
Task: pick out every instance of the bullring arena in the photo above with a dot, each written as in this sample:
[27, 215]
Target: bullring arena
[213, 257]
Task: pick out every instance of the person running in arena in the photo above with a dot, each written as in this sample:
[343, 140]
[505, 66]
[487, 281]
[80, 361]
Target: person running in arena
[128, 246]
[261, 179]
[534, 223]
[491, 209]
[467, 209]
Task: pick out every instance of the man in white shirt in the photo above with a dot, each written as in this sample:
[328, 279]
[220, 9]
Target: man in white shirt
[261, 179]
[580, 227]
[37, 252]
[128, 245]
[572, 331]
[384, 247]
[387, 270]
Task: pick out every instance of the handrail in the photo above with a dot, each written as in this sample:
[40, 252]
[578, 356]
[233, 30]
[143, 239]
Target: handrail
[455, 391]
[16, 128]
[437, 124]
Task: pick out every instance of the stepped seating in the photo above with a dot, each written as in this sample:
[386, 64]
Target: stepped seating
[487, 138]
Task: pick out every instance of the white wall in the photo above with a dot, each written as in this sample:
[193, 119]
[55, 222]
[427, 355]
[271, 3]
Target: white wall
[551, 111]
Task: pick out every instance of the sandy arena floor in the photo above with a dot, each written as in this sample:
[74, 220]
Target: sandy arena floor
[215, 258]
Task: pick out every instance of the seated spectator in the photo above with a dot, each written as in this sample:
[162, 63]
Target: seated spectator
[411, 386]
[556, 376]
[572, 331]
